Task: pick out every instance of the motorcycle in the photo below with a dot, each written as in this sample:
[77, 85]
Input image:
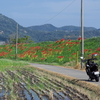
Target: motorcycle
[92, 68]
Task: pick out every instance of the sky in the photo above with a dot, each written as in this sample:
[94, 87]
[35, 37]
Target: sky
[56, 12]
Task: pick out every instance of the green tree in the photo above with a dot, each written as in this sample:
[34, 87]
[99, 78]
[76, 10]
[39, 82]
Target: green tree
[25, 39]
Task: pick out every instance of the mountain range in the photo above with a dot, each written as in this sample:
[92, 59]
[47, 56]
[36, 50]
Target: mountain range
[50, 27]
[46, 32]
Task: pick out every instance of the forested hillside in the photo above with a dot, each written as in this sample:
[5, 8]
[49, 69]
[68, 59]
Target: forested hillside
[41, 33]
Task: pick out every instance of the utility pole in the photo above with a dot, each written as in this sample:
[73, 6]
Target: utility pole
[82, 34]
[16, 40]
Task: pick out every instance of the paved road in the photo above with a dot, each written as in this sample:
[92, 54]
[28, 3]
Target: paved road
[66, 71]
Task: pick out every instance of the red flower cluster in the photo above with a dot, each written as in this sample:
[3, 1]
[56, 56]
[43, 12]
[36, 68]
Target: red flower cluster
[34, 56]
[60, 57]
[79, 38]
[98, 49]
[69, 39]
[3, 53]
[60, 40]
[73, 53]
[50, 49]
[85, 50]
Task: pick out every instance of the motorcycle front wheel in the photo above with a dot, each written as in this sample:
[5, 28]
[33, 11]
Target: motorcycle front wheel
[97, 78]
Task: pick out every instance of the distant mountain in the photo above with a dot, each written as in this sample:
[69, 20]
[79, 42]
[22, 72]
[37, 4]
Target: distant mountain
[8, 28]
[99, 29]
[45, 27]
[46, 32]
[49, 27]
[76, 28]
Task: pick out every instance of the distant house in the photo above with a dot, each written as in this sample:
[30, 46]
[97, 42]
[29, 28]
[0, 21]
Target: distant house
[2, 42]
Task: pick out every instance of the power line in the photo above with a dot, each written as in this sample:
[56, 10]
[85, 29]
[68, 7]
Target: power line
[60, 11]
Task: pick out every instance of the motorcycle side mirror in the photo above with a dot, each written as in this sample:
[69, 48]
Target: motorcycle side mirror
[82, 58]
[95, 54]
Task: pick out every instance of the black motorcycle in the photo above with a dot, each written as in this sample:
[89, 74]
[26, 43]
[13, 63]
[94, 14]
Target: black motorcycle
[92, 68]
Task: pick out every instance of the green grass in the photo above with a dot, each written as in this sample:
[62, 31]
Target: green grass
[6, 64]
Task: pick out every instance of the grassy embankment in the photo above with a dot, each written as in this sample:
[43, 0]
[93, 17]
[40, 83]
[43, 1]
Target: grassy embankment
[62, 52]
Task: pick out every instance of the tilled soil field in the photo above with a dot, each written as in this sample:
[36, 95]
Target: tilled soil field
[29, 83]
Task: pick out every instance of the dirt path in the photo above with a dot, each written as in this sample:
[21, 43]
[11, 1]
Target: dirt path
[66, 71]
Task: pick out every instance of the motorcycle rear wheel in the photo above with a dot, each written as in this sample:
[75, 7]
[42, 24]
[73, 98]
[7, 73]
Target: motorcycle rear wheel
[97, 79]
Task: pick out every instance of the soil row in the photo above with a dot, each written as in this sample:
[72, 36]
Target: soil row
[28, 83]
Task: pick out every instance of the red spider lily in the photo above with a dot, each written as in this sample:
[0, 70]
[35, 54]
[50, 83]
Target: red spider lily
[10, 50]
[35, 48]
[18, 43]
[31, 48]
[50, 49]
[43, 58]
[60, 57]
[21, 55]
[28, 52]
[70, 45]
[44, 53]
[76, 42]
[79, 38]
[22, 47]
[35, 56]
[62, 40]
[69, 49]
[69, 40]
[98, 49]
[3, 53]
[38, 47]
[90, 49]
[58, 51]
[50, 45]
[55, 46]
[85, 50]
[57, 41]
[61, 44]
[13, 45]
[70, 57]
[62, 47]
[33, 52]
[73, 53]
[7, 47]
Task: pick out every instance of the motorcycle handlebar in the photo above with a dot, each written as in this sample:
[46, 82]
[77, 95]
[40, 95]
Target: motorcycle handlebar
[94, 58]
[84, 60]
